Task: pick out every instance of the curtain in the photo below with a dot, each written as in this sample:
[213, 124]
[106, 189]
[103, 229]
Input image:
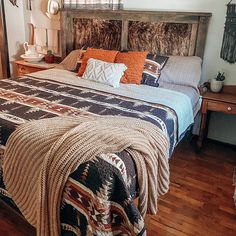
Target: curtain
[93, 4]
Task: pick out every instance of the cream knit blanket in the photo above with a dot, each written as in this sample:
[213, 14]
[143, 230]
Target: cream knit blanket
[40, 156]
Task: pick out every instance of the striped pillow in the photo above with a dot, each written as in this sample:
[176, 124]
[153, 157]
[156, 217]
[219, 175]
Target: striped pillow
[72, 61]
[182, 70]
[79, 60]
[154, 63]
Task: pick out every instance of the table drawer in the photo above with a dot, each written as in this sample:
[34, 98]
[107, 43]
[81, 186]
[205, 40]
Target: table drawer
[22, 70]
[222, 107]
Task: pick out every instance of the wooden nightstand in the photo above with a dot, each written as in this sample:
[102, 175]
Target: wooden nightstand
[219, 102]
[24, 67]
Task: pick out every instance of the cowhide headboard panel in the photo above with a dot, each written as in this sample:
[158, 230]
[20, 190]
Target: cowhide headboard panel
[169, 33]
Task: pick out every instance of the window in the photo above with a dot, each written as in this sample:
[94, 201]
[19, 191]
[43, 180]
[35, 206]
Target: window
[93, 4]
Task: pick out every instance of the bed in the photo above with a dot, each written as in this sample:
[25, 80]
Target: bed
[110, 179]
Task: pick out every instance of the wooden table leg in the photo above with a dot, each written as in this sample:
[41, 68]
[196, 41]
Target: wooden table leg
[202, 131]
[204, 125]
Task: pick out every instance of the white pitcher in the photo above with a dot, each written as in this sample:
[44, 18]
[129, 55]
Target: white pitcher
[30, 50]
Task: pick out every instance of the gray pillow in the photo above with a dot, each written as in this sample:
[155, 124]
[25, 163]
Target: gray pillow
[182, 70]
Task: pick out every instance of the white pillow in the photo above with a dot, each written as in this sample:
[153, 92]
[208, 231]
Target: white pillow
[104, 72]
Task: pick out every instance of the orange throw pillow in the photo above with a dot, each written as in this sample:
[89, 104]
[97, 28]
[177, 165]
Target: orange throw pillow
[99, 54]
[135, 64]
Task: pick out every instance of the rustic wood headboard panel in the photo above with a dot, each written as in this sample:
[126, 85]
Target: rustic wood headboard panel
[97, 33]
[165, 38]
[170, 33]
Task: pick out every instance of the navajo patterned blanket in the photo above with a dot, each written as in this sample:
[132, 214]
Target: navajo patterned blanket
[98, 196]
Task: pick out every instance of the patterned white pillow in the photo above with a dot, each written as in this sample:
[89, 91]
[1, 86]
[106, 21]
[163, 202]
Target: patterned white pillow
[104, 72]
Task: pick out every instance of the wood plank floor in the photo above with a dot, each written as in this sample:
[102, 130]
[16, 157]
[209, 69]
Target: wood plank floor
[200, 198]
[199, 201]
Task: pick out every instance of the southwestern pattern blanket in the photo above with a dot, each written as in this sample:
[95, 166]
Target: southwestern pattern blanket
[107, 179]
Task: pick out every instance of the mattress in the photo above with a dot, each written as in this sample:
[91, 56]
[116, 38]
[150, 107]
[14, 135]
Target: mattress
[60, 93]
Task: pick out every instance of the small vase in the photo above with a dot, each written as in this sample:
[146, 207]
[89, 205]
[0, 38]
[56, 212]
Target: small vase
[216, 85]
[49, 58]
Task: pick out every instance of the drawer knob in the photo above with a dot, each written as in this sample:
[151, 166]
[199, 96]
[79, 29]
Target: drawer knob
[229, 109]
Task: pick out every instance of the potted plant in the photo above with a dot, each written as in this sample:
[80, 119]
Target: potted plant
[49, 57]
[217, 83]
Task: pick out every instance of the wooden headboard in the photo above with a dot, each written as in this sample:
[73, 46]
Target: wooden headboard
[169, 33]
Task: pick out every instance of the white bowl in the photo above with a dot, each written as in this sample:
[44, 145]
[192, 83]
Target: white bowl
[32, 59]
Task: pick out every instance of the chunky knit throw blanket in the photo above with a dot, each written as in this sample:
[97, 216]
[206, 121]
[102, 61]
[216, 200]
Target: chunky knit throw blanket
[40, 156]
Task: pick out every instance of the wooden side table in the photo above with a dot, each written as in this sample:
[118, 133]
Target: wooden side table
[24, 67]
[219, 102]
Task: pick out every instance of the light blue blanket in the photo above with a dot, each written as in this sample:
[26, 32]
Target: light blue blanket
[178, 101]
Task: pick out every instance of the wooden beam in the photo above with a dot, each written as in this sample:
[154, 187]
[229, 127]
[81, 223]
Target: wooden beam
[202, 35]
[193, 40]
[124, 35]
[159, 16]
[141, 12]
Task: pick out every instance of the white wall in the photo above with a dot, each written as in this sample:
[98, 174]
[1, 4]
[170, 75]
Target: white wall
[41, 22]
[39, 18]
[15, 29]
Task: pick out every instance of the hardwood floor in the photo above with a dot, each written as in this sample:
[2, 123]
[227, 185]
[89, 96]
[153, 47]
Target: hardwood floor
[200, 200]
